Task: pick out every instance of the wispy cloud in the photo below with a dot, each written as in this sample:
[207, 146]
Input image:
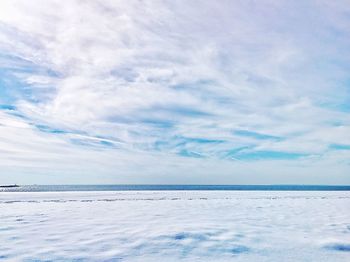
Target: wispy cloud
[216, 86]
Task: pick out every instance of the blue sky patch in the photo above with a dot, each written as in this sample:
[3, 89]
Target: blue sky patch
[256, 135]
[275, 155]
[339, 147]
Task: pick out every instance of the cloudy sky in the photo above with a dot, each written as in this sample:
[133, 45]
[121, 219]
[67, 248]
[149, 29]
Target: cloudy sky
[193, 92]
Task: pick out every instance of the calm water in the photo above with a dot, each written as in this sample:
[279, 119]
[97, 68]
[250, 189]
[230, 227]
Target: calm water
[55, 188]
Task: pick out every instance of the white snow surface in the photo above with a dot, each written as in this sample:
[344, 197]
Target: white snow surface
[175, 226]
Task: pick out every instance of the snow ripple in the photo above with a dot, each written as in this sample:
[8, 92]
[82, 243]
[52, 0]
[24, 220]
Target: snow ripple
[175, 226]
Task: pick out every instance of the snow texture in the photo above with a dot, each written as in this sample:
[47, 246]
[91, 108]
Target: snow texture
[175, 226]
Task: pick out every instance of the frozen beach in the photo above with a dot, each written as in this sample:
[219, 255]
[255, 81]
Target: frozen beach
[175, 226]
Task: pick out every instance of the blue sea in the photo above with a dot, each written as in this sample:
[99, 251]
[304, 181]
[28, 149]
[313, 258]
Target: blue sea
[61, 188]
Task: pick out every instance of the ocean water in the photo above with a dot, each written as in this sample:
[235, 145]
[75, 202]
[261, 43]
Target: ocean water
[62, 188]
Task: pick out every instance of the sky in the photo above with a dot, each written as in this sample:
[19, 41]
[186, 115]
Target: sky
[175, 92]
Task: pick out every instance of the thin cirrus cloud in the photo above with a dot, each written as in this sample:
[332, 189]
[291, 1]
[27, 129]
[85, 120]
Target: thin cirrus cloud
[174, 92]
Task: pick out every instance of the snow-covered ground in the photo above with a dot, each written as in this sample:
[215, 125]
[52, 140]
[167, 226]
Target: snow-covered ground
[175, 226]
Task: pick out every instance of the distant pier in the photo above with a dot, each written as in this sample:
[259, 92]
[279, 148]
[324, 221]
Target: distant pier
[8, 186]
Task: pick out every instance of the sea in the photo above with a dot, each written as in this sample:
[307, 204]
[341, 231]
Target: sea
[63, 188]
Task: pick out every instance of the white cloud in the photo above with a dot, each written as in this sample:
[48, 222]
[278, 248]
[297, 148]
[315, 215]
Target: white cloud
[144, 74]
